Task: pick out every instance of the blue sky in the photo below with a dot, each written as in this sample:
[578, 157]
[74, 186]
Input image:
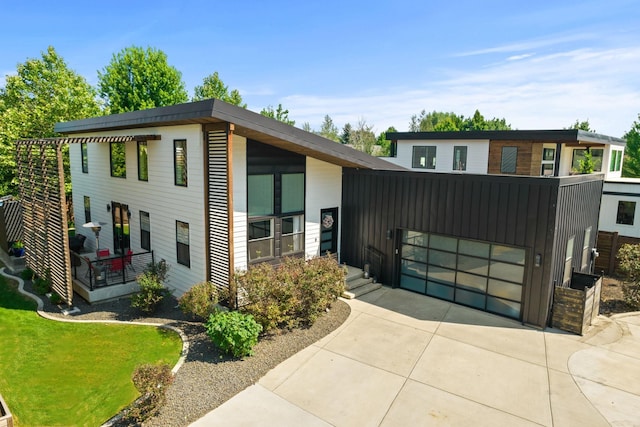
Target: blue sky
[540, 65]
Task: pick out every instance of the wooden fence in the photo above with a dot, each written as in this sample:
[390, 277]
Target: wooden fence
[608, 245]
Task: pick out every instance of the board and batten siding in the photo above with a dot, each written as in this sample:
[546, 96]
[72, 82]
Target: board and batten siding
[477, 155]
[240, 202]
[165, 202]
[323, 190]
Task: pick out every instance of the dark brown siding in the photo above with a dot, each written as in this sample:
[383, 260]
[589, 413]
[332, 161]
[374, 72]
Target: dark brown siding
[518, 211]
[528, 161]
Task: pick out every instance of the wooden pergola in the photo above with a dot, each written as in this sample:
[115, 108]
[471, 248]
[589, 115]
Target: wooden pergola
[41, 179]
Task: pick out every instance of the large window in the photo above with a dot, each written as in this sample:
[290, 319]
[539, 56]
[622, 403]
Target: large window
[260, 194]
[460, 158]
[182, 243]
[626, 212]
[292, 192]
[87, 209]
[143, 163]
[509, 160]
[579, 158]
[117, 158]
[85, 157]
[145, 231]
[180, 161]
[292, 234]
[616, 161]
[261, 239]
[424, 157]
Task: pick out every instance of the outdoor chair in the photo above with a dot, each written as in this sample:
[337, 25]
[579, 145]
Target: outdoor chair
[128, 259]
[115, 265]
[102, 253]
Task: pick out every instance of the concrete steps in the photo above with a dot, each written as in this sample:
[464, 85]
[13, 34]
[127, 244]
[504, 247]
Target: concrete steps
[356, 285]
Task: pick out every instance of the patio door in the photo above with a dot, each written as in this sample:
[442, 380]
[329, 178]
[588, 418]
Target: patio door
[121, 237]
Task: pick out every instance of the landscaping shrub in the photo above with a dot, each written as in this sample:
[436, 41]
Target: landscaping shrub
[152, 382]
[200, 301]
[158, 269]
[233, 332]
[55, 298]
[152, 291]
[292, 294]
[41, 285]
[629, 262]
[27, 274]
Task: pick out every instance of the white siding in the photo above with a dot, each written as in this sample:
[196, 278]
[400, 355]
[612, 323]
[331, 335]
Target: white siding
[630, 192]
[164, 201]
[477, 155]
[566, 159]
[240, 202]
[323, 190]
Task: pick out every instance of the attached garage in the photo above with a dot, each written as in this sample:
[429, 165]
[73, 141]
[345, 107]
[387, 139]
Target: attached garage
[496, 243]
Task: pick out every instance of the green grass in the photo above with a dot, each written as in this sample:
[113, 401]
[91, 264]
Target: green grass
[55, 373]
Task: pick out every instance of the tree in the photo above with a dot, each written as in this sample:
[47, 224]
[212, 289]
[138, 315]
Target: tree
[137, 79]
[279, 114]
[345, 136]
[631, 164]
[363, 138]
[384, 143]
[438, 121]
[329, 130]
[584, 125]
[43, 92]
[213, 87]
[307, 127]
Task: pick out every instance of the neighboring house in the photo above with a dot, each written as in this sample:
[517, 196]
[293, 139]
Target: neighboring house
[510, 152]
[212, 188]
[619, 211]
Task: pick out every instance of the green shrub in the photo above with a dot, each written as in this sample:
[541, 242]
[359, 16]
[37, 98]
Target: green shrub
[151, 294]
[293, 294]
[152, 382]
[41, 285]
[233, 332]
[632, 295]
[27, 274]
[158, 269]
[629, 264]
[55, 298]
[200, 301]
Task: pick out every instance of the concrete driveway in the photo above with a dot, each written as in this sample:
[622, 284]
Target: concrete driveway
[403, 359]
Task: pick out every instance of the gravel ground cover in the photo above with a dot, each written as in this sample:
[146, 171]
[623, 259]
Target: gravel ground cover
[208, 378]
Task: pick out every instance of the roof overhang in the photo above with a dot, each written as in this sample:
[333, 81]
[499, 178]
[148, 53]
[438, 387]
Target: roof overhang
[89, 139]
[246, 123]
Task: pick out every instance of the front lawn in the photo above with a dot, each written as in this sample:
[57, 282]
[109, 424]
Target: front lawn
[56, 373]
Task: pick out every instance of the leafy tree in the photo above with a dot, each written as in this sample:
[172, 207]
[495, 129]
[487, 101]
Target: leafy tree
[363, 138]
[43, 91]
[138, 79]
[584, 125]
[329, 130]
[307, 127]
[385, 145]
[586, 164]
[447, 122]
[213, 87]
[631, 164]
[345, 136]
[279, 114]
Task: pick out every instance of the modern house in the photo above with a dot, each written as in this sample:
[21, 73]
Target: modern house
[212, 188]
[510, 152]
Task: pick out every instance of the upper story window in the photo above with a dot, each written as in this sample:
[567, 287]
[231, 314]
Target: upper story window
[143, 163]
[626, 212]
[579, 158]
[117, 159]
[509, 160]
[460, 158]
[180, 161]
[548, 162]
[424, 157]
[616, 161]
[85, 157]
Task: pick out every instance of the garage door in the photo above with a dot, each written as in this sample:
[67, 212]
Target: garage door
[478, 274]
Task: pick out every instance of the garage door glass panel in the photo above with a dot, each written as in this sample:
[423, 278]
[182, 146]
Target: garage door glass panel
[415, 238]
[440, 291]
[503, 307]
[444, 243]
[505, 289]
[442, 259]
[470, 298]
[412, 283]
[469, 247]
[414, 253]
[473, 265]
[507, 254]
[471, 281]
[510, 272]
[414, 268]
[442, 275]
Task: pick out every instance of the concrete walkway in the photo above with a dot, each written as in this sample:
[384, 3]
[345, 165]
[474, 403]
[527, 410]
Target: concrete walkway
[402, 359]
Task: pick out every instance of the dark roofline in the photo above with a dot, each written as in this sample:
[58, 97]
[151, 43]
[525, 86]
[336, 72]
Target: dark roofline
[216, 111]
[564, 135]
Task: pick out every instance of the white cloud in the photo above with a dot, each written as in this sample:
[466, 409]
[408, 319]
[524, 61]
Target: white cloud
[530, 44]
[519, 57]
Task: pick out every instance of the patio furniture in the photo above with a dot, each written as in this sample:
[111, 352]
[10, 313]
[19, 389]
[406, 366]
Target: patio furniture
[76, 243]
[116, 266]
[101, 253]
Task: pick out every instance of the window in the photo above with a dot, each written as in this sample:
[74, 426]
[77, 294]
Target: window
[292, 192]
[143, 163]
[261, 239]
[292, 234]
[626, 212]
[460, 158]
[117, 159]
[260, 195]
[509, 159]
[424, 157]
[182, 243]
[616, 161]
[180, 161]
[579, 157]
[145, 231]
[548, 161]
[585, 249]
[568, 258]
[85, 158]
[87, 209]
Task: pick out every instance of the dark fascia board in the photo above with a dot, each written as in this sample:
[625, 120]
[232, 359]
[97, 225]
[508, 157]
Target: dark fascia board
[214, 110]
[542, 136]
